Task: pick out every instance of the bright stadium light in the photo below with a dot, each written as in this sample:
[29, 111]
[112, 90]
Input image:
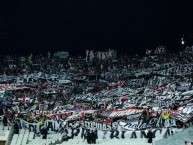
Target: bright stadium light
[182, 40]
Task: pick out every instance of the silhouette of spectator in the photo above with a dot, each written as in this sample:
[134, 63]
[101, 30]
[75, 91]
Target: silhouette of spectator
[5, 121]
[16, 128]
[150, 136]
[93, 137]
[44, 133]
[89, 137]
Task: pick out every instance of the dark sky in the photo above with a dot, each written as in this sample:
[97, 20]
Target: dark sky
[77, 25]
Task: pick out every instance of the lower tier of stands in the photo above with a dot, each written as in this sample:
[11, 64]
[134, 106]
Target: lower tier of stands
[29, 138]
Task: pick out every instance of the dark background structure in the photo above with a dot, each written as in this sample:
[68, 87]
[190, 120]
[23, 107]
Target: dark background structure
[31, 26]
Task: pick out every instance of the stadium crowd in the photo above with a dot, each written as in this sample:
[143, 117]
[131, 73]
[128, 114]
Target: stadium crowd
[39, 88]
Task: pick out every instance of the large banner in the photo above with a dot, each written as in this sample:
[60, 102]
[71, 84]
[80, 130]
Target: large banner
[113, 130]
[54, 125]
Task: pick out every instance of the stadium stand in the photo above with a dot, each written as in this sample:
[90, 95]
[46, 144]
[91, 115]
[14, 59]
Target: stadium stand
[178, 138]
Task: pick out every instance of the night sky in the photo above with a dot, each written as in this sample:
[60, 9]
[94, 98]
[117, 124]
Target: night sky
[76, 25]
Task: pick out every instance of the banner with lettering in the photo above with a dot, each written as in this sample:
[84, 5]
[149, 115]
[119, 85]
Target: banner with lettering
[121, 113]
[113, 130]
